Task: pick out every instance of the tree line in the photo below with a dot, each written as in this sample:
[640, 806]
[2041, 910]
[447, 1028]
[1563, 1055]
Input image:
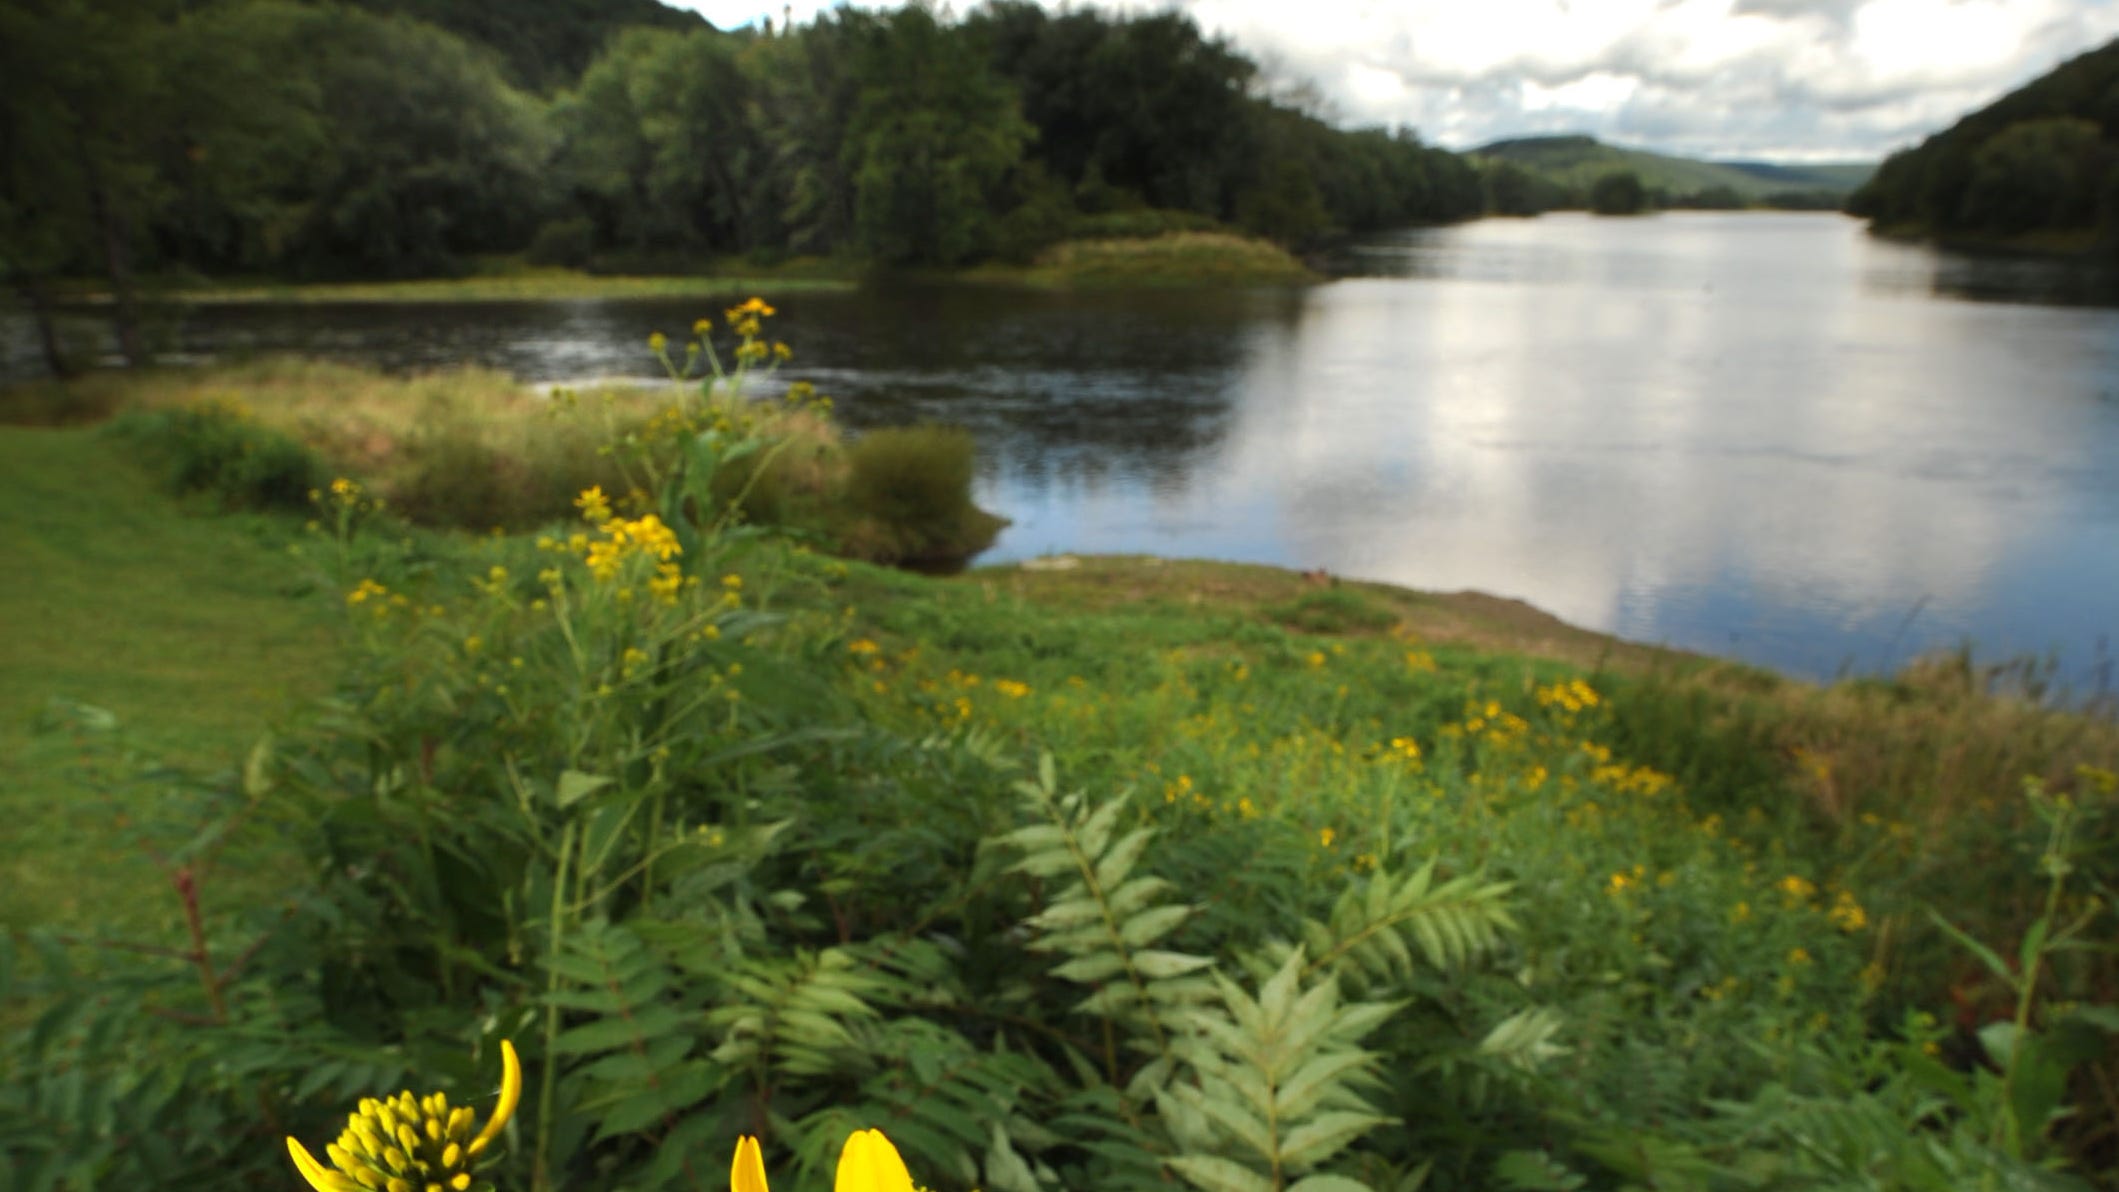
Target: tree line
[324, 141]
[2044, 158]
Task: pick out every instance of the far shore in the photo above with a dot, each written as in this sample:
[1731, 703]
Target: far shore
[1172, 260]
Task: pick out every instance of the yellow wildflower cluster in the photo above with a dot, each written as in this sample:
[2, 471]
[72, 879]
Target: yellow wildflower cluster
[376, 597]
[1011, 688]
[1846, 913]
[1571, 696]
[1500, 728]
[1405, 749]
[1796, 890]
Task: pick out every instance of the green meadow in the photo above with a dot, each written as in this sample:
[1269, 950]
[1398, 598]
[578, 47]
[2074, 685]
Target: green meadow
[324, 780]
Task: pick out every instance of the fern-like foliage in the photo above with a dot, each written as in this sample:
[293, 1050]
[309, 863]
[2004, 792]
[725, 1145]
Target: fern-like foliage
[1379, 926]
[1106, 920]
[795, 1016]
[1274, 1089]
[632, 1051]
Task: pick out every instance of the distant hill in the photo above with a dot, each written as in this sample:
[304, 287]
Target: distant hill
[545, 43]
[2040, 164]
[1574, 163]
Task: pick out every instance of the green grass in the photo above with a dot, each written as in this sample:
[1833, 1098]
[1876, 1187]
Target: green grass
[191, 628]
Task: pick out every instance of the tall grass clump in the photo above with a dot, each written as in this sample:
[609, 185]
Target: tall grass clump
[910, 492]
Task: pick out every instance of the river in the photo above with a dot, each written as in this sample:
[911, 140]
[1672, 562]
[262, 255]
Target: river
[1767, 436]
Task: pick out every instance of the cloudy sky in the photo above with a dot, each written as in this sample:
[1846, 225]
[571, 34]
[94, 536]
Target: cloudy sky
[1789, 79]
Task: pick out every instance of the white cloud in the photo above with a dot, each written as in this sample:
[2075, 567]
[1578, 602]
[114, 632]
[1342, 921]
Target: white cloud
[1786, 78]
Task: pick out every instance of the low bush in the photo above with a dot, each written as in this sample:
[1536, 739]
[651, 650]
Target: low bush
[564, 242]
[1333, 610]
[219, 448]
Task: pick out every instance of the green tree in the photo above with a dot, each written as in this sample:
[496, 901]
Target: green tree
[804, 95]
[933, 137]
[1618, 193]
[2035, 174]
[85, 107]
[431, 155]
[657, 145]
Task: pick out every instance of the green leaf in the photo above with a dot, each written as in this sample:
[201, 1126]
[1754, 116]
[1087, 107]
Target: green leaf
[1151, 925]
[1327, 1182]
[1987, 956]
[1211, 1173]
[574, 786]
[1161, 966]
[1325, 1135]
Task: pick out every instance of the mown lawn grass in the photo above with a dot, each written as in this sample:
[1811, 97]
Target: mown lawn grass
[192, 628]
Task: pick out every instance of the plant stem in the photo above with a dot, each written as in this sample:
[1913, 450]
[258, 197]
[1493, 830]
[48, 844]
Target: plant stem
[541, 1175]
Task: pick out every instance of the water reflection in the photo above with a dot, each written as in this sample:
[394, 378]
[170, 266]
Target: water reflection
[1765, 435]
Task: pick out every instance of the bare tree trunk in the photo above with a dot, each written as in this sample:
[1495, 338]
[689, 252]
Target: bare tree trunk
[38, 299]
[117, 264]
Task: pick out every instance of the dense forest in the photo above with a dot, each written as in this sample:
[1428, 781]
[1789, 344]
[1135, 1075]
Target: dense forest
[2042, 159]
[310, 140]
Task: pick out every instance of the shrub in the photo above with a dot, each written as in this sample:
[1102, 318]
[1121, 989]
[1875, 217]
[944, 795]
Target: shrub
[915, 482]
[568, 242]
[216, 447]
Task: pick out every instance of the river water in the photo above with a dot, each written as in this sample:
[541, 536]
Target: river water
[1761, 435]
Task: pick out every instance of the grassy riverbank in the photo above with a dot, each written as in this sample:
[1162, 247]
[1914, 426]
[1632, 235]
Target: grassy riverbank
[1175, 259]
[1613, 913]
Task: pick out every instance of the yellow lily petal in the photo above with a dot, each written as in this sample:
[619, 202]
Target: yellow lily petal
[869, 1163]
[510, 1093]
[747, 1173]
[320, 1178]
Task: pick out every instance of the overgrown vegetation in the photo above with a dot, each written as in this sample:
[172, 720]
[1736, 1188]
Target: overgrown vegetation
[473, 449]
[1256, 892]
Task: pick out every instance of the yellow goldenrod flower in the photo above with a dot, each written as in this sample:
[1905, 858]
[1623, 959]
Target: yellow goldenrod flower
[408, 1143]
[702, 326]
[657, 342]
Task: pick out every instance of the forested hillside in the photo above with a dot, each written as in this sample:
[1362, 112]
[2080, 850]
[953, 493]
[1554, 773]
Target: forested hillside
[2042, 159]
[1530, 174]
[310, 141]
